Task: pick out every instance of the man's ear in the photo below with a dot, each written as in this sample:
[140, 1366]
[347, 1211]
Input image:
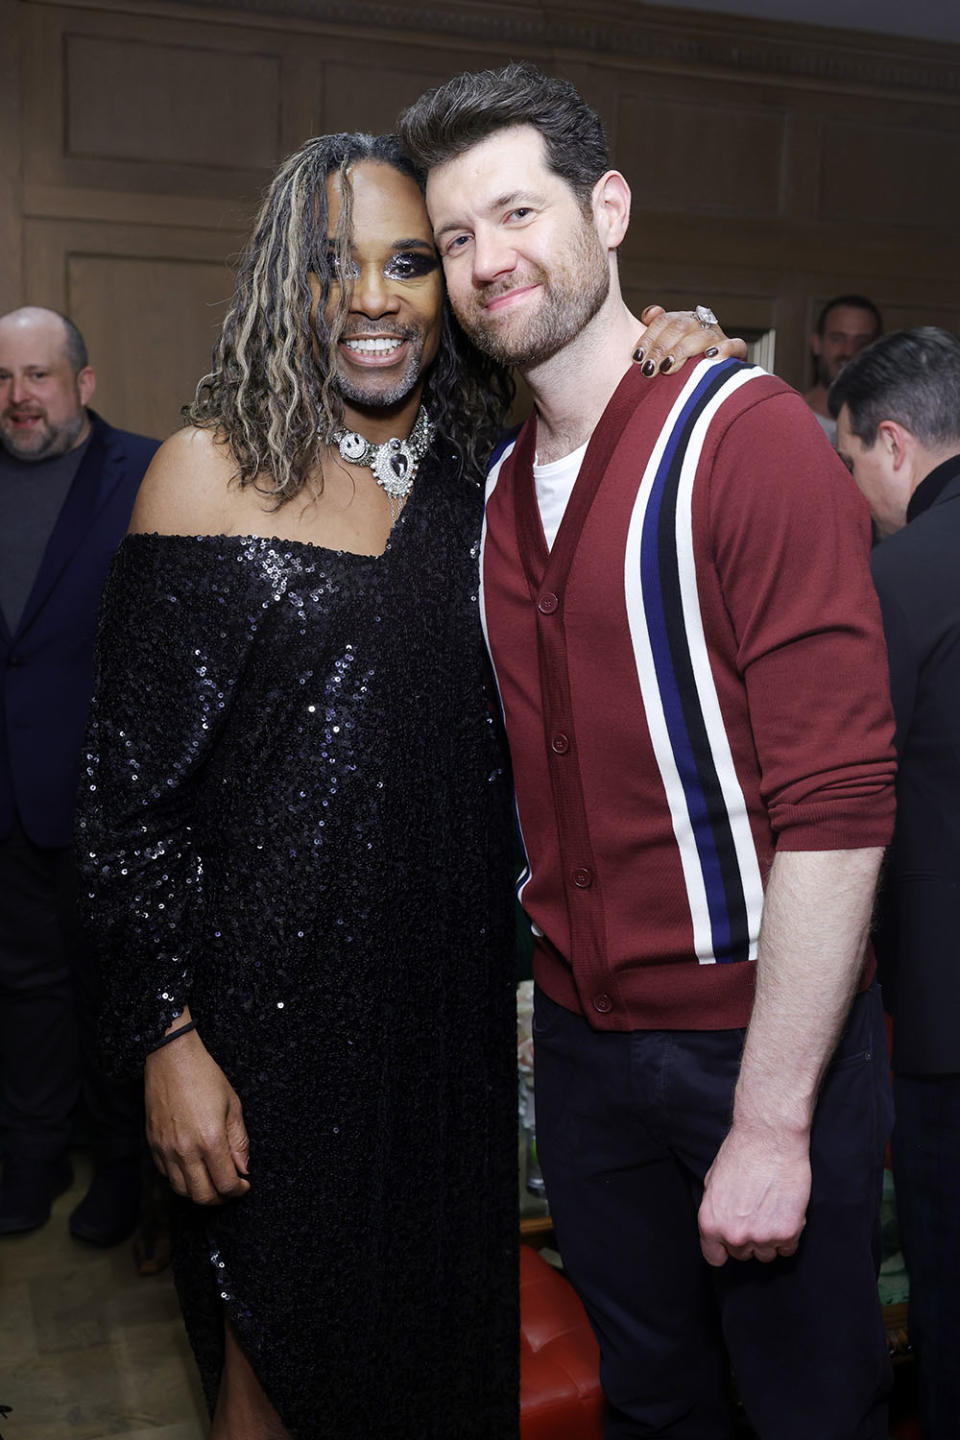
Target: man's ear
[895, 441]
[815, 343]
[86, 384]
[611, 208]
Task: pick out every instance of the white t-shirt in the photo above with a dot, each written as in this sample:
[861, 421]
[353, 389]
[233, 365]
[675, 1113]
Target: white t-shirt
[554, 484]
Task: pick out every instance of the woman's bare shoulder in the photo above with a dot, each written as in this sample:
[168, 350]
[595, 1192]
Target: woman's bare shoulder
[189, 488]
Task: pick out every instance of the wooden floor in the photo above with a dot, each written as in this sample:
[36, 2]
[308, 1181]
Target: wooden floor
[88, 1348]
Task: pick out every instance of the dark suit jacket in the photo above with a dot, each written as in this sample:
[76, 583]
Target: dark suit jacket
[47, 664]
[917, 575]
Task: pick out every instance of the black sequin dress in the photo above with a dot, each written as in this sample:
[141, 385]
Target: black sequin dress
[295, 819]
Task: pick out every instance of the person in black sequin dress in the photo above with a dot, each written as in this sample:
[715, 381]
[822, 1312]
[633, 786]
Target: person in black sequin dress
[295, 828]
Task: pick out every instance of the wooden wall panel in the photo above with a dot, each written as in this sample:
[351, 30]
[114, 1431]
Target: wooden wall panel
[691, 157]
[888, 176]
[901, 317]
[135, 103]
[771, 166]
[149, 303]
[218, 109]
[370, 97]
[11, 199]
[148, 363]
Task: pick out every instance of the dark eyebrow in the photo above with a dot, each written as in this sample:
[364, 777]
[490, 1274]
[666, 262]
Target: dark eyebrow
[507, 201]
[512, 197]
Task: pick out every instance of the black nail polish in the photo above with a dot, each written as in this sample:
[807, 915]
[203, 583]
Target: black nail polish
[638, 354]
[666, 364]
[649, 368]
[714, 350]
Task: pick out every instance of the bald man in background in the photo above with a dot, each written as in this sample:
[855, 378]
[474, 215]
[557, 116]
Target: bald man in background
[67, 485]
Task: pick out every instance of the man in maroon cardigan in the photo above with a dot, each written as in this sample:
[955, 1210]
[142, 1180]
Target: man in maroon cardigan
[677, 597]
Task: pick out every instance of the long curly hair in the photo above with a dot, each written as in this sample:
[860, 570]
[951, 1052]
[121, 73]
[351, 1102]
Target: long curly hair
[266, 395]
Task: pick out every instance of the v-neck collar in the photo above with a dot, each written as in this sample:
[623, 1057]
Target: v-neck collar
[546, 569]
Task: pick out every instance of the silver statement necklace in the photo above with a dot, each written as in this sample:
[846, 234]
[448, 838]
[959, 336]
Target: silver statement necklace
[393, 462]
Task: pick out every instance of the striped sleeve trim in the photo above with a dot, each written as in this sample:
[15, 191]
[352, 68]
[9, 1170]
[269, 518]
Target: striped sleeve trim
[706, 802]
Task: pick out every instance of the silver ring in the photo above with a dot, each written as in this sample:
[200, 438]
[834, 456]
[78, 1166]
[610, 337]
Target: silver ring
[705, 315]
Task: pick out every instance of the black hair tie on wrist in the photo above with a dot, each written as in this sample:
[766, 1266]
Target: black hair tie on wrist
[174, 1035]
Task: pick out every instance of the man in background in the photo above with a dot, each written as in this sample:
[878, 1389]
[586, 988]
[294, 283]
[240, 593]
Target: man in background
[898, 416]
[67, 485]
[846, 324]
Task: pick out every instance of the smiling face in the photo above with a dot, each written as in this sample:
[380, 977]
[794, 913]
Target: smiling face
[846, 330]
[391, 333]
[42, 399]
[525, 267]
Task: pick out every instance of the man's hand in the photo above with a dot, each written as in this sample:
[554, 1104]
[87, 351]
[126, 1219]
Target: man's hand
[195, 1123]
[676, 336]
[816, 913]
[755, 1196]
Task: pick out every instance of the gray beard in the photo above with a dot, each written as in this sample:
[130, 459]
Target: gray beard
[383, 399]
[58, 440]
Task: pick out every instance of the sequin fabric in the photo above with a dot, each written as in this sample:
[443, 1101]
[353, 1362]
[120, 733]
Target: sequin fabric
[295, 818]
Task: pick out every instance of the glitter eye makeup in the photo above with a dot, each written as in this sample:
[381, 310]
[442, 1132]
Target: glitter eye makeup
[351, 271]
[410, 265]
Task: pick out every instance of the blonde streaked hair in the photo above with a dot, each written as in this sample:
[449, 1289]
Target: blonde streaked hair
[266, 395]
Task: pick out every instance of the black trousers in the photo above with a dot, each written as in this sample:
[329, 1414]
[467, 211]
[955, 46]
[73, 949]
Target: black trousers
[48, 1010]
[926, 1169]
[627, 1127]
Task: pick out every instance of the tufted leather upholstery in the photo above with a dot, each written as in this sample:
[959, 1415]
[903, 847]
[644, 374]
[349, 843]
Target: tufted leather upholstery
[560, 1396]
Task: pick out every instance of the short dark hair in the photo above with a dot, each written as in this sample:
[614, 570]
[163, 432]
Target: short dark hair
[856, 302]
[454, 117]
[912, 377]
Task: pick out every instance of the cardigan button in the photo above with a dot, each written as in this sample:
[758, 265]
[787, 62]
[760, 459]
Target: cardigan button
[548, 603]
[583, 878]
[560, 743]
[602, 1004]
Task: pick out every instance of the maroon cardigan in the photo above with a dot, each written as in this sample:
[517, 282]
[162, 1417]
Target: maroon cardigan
[693, 678]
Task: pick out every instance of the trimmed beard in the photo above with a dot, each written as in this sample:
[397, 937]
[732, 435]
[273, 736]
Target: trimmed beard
[49, 442]
[572, 293]
[356, 392]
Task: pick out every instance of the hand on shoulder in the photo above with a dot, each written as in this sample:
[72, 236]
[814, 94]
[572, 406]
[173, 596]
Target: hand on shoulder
[672, 337]
[187, 488]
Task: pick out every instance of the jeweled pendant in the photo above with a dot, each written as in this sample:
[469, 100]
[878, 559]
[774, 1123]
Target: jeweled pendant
[393, 470]
[353, 447]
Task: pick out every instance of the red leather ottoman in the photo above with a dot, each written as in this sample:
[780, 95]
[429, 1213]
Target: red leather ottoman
[560, 1396]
